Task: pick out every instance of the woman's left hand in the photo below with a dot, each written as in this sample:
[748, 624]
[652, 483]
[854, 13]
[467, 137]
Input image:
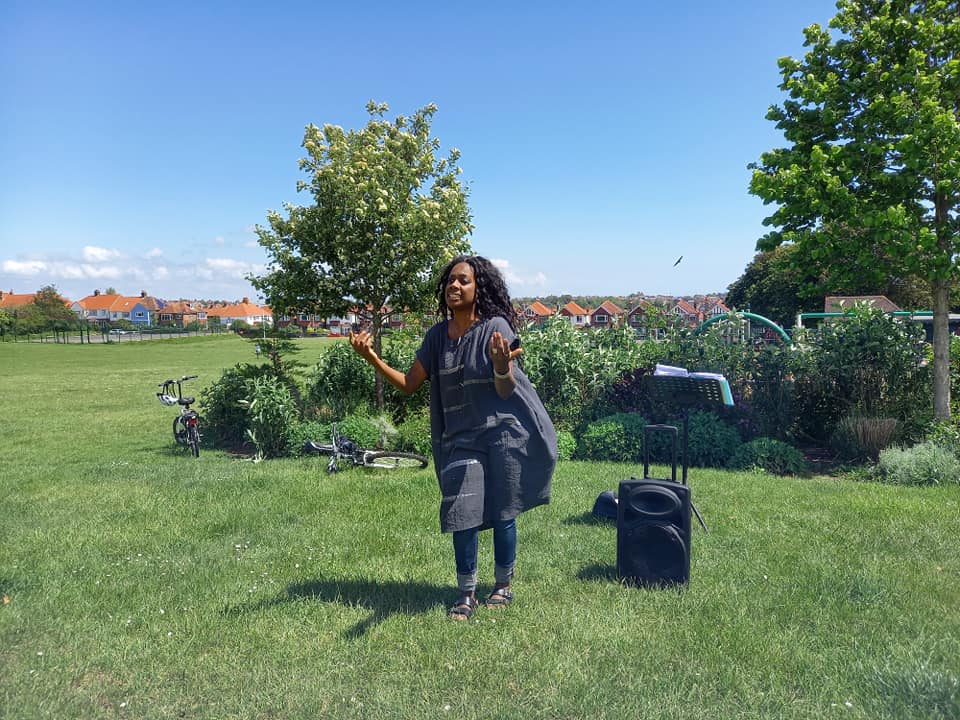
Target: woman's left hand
[501, 354]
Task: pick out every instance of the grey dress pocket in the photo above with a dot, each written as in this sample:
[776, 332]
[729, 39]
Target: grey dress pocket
[462, 488]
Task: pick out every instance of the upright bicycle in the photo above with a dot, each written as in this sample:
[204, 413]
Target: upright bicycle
[343, 448]
[186, 425]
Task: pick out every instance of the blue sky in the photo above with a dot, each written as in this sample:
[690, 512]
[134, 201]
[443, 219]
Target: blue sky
[140, 144]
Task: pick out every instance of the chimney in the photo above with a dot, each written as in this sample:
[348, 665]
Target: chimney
[96, 292]
[143, 293]
[246, 301]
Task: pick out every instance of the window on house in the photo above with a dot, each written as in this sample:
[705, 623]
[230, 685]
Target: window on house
[140, 313]
[600, 318]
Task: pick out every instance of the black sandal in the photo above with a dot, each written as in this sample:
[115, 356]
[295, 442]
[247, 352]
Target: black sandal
[463, 608]
[499, 598]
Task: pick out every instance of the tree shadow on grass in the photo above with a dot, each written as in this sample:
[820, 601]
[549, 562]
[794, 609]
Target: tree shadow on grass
[382, 599]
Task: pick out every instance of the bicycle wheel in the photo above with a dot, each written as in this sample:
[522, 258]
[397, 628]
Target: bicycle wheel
[194, 440]
[180, 430]
[393, 460]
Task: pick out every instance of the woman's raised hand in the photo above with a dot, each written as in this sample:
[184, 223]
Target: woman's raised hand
[500, 352]
[362, 342]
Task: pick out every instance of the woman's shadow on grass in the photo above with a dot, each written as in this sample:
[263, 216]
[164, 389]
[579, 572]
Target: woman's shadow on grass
[382, 599]
[597, 572]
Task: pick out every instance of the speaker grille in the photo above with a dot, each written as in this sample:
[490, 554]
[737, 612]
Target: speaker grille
[653, 532]
[654, 552]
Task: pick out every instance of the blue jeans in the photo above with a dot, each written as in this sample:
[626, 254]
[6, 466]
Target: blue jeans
[465, 544]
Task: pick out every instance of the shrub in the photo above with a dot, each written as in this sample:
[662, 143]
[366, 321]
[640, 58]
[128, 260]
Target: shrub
[566, 444]
[315, 430]
[865, 363]
[859, 438]
[769, 455]
[272, 414]
[224, 417]
[341, 383]
[572, 368]
[628, 393]
[945, 434]
[399, 351]
[759, 375]
[712, 443]
[923, 464]
[415, 433]
[365, 431]
[617, 438]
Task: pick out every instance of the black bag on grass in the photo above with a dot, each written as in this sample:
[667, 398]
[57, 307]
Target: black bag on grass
[605, 506]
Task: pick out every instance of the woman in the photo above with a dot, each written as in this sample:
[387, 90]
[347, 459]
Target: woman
[494, 447]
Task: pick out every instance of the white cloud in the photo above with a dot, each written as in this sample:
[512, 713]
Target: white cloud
[61, 269]
[227, 268]
[94, 254]
[28, 268]
[93, 267]
[99, 272]
[226, 264]
[518, 279]
[71, 272]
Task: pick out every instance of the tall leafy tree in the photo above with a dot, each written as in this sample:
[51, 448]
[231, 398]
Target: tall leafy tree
[782, 282]
[870, 180]
[53, 307]
[388, 211]
[774, 286]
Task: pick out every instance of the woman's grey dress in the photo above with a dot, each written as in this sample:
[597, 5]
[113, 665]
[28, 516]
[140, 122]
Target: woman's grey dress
[494, 458]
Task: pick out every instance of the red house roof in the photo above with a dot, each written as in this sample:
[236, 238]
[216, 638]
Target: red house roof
[571, 308]
[538, 308]
[609, 308]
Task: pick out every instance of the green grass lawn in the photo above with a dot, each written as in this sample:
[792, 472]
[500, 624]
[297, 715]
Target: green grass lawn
[145, 584]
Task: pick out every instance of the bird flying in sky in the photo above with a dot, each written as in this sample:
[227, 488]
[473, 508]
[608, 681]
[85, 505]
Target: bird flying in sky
[678, 261]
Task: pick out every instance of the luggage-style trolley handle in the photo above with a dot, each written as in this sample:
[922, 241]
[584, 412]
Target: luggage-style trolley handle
[673, 430]
[649, 430]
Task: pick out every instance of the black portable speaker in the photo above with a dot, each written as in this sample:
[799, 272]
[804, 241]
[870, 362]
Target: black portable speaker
[653, 532]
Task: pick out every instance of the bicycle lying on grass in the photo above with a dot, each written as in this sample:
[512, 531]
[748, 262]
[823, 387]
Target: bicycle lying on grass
[186, 425]
[343, 447]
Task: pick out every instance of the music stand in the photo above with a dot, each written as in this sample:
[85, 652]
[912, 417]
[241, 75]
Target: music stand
[686, 391]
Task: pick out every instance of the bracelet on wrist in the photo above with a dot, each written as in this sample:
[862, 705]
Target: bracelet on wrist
[502, 376]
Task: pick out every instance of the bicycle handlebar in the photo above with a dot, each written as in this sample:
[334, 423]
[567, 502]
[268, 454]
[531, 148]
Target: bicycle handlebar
[166, 383]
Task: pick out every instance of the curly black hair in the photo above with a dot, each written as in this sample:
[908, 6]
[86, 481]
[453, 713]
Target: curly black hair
[493, 298]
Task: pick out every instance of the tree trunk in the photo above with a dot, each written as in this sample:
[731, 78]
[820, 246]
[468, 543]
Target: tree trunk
[376, 330]
[941, 349]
